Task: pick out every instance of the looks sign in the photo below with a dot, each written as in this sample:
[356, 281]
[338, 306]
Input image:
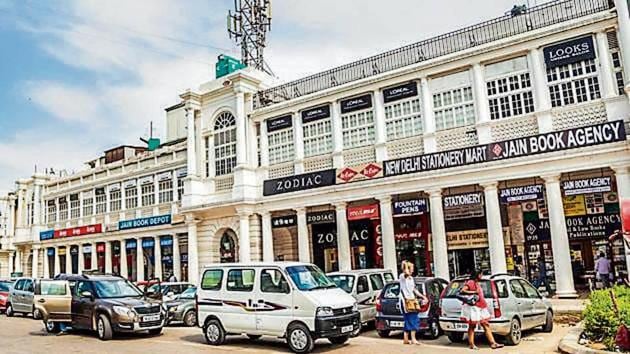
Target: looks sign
[569, 52]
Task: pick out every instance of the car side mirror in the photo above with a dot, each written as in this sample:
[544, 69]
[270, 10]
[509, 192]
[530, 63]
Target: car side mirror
[86, 294]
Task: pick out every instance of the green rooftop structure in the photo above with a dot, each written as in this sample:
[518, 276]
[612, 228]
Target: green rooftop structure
[227, 65]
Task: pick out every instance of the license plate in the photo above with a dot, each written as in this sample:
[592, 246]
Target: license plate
[464, 326]
[150, 318]
[346, 329]
[396, 324]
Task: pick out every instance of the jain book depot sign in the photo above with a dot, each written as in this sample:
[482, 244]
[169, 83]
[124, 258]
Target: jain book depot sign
[144, 222]
[568, 52]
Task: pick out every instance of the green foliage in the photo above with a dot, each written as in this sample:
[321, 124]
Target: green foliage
[600, 320]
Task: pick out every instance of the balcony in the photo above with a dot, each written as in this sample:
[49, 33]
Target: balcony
[506, 26]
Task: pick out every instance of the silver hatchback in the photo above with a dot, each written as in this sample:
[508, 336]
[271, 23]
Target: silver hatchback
[514, 304]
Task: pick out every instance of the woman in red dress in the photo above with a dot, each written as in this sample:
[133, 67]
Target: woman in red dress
[477, 313]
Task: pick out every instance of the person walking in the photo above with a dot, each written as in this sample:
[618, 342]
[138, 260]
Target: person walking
[602, 270]
[477, 313]
[541, 279]
[409, 303]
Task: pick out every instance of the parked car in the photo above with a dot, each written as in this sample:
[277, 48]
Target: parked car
[53, 300]
[20, 298]
[291, 300]
[364, 285]
[515, 306]
[389, 315]
[5, 288]
[182, 308]
[168, 291]
[110, 304]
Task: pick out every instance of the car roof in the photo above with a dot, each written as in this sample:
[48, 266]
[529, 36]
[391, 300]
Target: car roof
[360, 271]
[282, 264]
[175, 283]
[87, 277]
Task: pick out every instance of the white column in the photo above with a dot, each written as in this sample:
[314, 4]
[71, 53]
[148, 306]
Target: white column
[139, 260]
[94, 257]
[37, 209]
[609, 88]
[191, 144]
[304, 248]
[438, 234]
[559, 239]
[11, 260]
[244, 246]
[241, 136]
[18, 260]
[623, 188]
[482, 107]
[542, 101]
[430, 144]
[343, 237]
[298, 142]
[264, 145]
[57, 269]
[252, 145]
[21, 205]
[108, 257]
[157, 258]
[380, 127]
[623, 18]
[387, 233]
[124, 270]
[495, 229]
[337, 135]
[267, 237]
[68, 260]
[45, 264]
[34, 266]
[81, 259]
[177, 258]
[193, 261]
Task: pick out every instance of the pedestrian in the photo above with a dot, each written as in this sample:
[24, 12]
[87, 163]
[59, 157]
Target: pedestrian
[409, 303]
[477, 313]
[602, 270]
[172, 278]
[541, 279]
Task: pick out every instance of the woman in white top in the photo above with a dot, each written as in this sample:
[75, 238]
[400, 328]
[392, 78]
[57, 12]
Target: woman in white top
[408, 292]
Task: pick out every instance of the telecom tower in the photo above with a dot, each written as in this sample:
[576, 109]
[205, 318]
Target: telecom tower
[248, 26]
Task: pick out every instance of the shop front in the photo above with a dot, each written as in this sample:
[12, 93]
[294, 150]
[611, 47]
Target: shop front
[148, 254]
[87, 256]
[131, 246]
[323, 228]
[285, 239]
[364, 230]
[50, 258]
[411, 233]
[116, 257]
[100, 257]
[166, 248]
[183, 253]
[62, 259]
[74, 259]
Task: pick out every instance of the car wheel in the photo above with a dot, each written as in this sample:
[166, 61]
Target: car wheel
[37, 314]
[104, 328]
[9, 311]
[383, 333]
[548, 326]
[214, 332]
[514, 337]
[299, 339]
[338, 340]
[155, 331]
[190, 318]
[434, 329]
[455, 337]
[52, 327]
[254, 336]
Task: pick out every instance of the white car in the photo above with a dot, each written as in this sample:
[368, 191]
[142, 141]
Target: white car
[290, 300]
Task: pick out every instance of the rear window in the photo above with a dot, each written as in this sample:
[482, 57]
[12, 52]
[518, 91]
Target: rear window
[454, 287]
[502, 290]
[212, 279]
[53, 288]
[343, 282]
[389, 277]
[391, 291]
[5, 286]
[240, 280]
[377, 281]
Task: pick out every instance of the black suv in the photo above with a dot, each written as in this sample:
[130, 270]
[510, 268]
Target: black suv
[108, 304]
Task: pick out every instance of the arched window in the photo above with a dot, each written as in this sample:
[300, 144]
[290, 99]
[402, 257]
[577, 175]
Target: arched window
[227, 248]
[224, 144]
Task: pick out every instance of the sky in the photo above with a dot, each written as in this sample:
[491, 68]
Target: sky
[78, 77]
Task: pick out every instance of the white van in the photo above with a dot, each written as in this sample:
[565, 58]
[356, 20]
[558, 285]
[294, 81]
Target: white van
[291, 300]
[364, 285]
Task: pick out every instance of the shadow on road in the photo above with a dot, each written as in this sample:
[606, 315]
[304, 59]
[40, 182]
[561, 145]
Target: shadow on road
[265, 343]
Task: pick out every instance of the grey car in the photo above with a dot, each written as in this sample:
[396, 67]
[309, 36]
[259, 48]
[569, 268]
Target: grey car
[20, 299]
[514, 306]
[182, 308]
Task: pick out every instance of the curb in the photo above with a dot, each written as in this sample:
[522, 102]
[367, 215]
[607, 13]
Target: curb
[569, 344]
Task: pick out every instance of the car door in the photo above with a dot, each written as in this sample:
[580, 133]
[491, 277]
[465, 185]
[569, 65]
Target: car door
[27, 295]
[390, 306]
[363, 297]
[523, 303]
[274, 303]
[82, 306]
[376, 284]
[55, 297]
[539, 309]
[16, 295]
[240, 301]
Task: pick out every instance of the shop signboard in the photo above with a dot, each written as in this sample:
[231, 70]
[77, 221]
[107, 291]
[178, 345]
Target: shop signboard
[279, 123]
[164, 176]
[148, 242]
[131, 244]
[324, 237]
[399, 92]
[284, 221]
[74, 250]
[299, 182]
[50, 252]
[356, 103]
[315, 113]
[574, 205]
[100, 247]
[568, 52]
[144, 180]
[78, 231]
[87, 249]
[363, 212]
[410, 207]
[144, 222]
[46, 235]
[363, 172]
[592, 226]
[166, 241]
[469, 239]
[321, 217]
[113, 187]
[463, 206]
[521, 193]
[182, 172]
[130, 183]
[587, 185]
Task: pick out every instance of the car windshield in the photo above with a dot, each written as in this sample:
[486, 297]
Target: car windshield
[155, 288]
[53, 287]
[107, 289]
[309, 278]
[344, 282]
[5, 286]
[456, 285]
[189, 293]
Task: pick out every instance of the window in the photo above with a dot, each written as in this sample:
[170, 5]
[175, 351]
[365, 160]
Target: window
[180, 188]
[613, 45]
[101, 201]
[343, 282]
[317, 137]
[28, 286]
[82, 287]
[224, 145]
[389, 277]
[30, 213]
[502, 290]
[357, 129]
[454, 108]
[88, 204]
[54, 287]
[392, 291]
[75, 204]
[211, 279]
[517, 289]
[19, 285]
[362, 285]
[529, 290]
[166, 191]
[403, 119]
[573, 83]
[115, 202]
[272, 281]
[52, 211]
[377, 281]
[240, 280]
[280, 146]
[510, 96]
[148, 194]
[131, 196]
[63, 209]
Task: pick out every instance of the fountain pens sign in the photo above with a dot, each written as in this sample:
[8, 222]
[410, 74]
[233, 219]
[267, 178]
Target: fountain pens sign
[568, 52]
[144, 222]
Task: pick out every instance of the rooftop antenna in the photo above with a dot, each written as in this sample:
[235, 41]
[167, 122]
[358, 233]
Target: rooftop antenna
[248, 27]
[152, 143]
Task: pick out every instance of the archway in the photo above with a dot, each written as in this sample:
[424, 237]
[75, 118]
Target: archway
[227, 247]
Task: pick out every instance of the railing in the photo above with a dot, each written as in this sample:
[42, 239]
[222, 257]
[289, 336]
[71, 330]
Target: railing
[499, 28]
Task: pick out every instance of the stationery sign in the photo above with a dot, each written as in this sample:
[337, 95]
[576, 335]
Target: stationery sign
[299, 182]
[568, 52]
[284, 221]
[521, 194]
[315, 113]
[356, 103]
[144, 222]
[459, 200]
[399, 92]
[587, 185]
[410, 207]
[279, 123]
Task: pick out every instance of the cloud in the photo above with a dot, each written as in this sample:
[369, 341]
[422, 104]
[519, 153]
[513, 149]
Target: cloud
[69, 104]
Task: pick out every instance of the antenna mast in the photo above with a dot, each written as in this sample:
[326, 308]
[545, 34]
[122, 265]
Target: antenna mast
[248, 27]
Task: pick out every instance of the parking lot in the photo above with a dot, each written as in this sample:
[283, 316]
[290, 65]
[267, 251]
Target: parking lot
[24, 335]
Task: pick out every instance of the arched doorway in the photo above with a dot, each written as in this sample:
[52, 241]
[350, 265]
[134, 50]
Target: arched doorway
[227, 247]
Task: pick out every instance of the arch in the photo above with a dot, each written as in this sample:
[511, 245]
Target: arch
[224, 133]
[228, 246]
